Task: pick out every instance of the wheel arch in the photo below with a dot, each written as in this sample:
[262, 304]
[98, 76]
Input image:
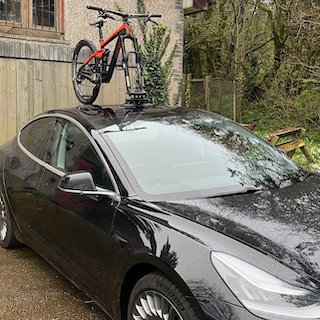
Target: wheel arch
[139, 270]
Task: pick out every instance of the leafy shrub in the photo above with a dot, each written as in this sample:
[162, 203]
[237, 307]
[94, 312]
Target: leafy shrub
[153, 51]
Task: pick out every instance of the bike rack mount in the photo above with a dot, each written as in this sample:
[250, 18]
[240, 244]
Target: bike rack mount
[137, 103]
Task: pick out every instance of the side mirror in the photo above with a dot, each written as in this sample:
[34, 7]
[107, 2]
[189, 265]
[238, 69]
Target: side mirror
[77, 181]
[82, 183]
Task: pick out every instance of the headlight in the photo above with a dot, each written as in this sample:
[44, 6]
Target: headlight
[263, 294]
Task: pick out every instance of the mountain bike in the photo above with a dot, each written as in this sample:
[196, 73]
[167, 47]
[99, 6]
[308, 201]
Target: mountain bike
[92, 67]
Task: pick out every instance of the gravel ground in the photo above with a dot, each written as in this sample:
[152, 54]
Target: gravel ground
[30, 289]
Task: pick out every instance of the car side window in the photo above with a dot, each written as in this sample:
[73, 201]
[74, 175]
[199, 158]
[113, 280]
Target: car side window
[70, 150]
[35, 136]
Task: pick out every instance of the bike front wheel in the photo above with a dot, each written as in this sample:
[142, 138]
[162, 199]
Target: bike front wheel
[86, 77]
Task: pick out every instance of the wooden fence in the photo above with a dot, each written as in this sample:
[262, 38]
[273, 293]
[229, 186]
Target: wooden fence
[217, 95]
[29, 87]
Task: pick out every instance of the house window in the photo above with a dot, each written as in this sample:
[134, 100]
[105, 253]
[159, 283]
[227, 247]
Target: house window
[10, 11]
[44, 13]
[31, 17]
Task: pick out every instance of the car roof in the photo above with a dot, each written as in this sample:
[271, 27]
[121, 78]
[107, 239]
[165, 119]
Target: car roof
[98, 117]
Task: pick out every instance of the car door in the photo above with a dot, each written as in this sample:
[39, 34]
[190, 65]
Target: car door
[24, 167]
[76, 228]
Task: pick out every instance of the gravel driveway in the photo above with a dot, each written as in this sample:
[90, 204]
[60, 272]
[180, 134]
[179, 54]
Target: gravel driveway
[30, 289]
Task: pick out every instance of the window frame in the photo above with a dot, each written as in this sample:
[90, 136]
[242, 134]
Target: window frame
[83, 130]
[35, 125]
[27, 28]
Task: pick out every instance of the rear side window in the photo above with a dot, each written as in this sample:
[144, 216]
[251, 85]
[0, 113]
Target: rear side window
[35, 136]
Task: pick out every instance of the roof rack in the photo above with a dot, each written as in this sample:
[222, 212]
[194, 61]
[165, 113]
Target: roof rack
[137, 103]
[95, 110]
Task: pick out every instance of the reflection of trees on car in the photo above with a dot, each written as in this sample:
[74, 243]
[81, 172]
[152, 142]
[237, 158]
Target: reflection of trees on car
[225, 312]
[244, 157]
[144, 236]
[236, 217]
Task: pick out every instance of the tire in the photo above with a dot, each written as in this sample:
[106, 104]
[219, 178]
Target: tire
[7, 238]
[86, 87]
[156, 297]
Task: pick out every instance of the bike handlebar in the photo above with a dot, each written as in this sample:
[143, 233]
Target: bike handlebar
[124, 15]
[94, 8]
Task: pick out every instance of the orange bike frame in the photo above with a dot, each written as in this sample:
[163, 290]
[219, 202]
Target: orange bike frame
[99, 53]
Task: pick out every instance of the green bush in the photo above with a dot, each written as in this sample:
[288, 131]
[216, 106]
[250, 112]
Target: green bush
[153, 51]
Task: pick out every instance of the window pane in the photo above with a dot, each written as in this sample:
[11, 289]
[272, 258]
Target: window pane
[199, 152]
[44, 13]
[10, 11]
[36, 135]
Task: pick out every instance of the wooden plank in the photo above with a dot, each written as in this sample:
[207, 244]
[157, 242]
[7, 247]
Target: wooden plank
[274, 140]
[301, 133]
[72, 98]
[55, 76]
[287, 147]
[189, 78]
[63, 85]
[285, 142]
[23, 93]
[196, 80]
[115, 91]
[120, 88]
[206, 86]
[31, 112]
[47, 88]
[284, 133]
[37, 87]
[108, 91]
[183, 90]
[12, 99]
[307, 154]
[4, 101]
[234, 100]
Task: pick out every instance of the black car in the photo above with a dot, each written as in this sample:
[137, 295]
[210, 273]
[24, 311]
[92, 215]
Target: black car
[165, 213]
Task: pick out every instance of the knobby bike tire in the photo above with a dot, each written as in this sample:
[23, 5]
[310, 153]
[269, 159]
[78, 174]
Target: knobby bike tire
[86, 83]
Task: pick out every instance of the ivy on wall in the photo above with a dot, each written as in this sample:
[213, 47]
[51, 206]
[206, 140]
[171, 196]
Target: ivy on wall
[157, 63]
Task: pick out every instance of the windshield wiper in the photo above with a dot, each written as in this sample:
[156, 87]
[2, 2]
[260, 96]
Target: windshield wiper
[234, 190]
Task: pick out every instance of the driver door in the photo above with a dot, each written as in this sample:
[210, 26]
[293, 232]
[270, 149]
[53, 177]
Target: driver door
[77, 228]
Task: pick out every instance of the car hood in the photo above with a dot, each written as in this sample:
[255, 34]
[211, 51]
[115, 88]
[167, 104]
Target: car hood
[282, 223]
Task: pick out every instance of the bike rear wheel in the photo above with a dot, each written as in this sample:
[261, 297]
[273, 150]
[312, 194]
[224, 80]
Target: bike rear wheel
[86, 78]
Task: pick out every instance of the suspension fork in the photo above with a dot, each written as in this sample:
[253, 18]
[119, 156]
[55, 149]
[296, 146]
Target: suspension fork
[126, 56]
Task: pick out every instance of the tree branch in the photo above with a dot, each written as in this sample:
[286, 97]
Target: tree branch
[259, 47]
[280, 6]
[304, 64]
[262, 6]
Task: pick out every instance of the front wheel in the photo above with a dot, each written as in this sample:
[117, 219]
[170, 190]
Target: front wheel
[86, 78]
[156, 297]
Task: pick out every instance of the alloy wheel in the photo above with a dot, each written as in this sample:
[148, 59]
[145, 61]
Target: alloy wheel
[153, 305]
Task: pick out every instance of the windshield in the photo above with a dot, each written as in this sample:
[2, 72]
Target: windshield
[198, 152]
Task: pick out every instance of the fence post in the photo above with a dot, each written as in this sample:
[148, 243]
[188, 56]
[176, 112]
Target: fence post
[206, 84]
[234, 100]
[189, 78]
[183, 89]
